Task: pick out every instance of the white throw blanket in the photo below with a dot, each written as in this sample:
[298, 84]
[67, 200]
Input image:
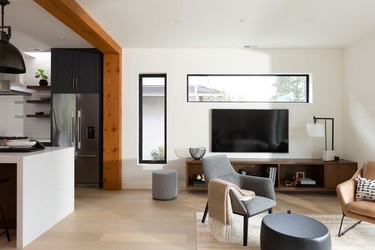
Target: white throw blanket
[220, 208]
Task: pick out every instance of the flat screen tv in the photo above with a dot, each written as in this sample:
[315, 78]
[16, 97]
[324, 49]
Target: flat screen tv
[250, 130]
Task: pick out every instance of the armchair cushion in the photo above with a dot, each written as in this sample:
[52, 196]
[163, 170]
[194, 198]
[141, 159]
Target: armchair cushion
[365, 189]
[365, 208]
[228, 178]
[369, 170]
[260, 185]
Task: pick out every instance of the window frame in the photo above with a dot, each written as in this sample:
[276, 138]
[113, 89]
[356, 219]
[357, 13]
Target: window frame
[140, 118]
[307, 75]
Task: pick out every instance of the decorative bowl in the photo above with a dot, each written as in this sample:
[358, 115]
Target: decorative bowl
[197, 153]
[182, 153]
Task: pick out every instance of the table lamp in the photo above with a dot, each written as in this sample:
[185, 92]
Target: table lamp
[320, 130]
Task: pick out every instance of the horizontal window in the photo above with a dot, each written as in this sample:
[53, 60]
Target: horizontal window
[293, 88]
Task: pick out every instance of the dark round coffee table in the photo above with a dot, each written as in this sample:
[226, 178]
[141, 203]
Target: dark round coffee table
[284, 231]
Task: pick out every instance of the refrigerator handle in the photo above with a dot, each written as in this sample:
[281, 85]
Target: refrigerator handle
[72, 130]
[79, 129]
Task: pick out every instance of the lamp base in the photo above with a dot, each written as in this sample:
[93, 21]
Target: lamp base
[329, 155]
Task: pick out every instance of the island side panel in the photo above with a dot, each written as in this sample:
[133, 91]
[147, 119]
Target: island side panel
[45, 190]
[8, 193]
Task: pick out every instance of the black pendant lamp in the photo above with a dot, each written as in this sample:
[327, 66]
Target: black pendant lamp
[11, 60]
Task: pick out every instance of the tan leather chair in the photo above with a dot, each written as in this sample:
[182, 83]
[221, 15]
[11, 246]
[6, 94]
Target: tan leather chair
[360, 210]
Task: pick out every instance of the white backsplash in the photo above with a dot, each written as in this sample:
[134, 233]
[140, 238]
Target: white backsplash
[13, 109]
[11, 113]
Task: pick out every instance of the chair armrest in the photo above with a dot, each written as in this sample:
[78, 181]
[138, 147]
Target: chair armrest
[259, 185]
[237, 205]
[346, 191]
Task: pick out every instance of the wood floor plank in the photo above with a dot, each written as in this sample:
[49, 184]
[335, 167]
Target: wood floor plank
[131, 219]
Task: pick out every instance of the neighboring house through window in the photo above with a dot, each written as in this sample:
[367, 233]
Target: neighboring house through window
[286, 88]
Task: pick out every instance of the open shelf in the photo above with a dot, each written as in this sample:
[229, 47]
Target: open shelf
[42, 100]
[327, 174]
[39, 116]
[39, 88]
[39, 101]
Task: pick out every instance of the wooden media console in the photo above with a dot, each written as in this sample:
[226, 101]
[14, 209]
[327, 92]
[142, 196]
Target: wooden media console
[326, 174]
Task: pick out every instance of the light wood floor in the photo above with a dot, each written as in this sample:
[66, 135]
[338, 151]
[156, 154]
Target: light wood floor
[131, 219]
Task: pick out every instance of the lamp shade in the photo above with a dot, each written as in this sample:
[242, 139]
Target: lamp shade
[11, 60]
[315, 130]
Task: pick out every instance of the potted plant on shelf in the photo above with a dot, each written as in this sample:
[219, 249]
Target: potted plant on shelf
[40, 73]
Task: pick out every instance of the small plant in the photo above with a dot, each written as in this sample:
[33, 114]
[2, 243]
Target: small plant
[40, 73]
[158, 154]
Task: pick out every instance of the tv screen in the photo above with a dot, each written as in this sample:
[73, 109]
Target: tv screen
[250, 130]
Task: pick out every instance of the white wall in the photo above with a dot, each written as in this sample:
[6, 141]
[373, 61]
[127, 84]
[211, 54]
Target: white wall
[11, 110]
[188, 123]
[359, 106]
[11, 115]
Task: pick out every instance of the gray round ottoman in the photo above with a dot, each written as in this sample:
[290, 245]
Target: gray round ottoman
[164, 184]
[281, 231]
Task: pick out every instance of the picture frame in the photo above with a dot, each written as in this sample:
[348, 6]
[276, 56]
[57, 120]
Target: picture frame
[300, 176]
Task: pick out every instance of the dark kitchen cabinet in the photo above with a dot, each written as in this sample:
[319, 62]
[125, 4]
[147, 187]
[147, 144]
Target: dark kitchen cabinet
[76, 71]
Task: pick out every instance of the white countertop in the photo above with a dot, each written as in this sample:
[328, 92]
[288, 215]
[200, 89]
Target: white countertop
[15, 157]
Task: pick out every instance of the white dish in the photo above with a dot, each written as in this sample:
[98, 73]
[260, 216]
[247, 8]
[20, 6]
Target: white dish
[2, 147]
[20, 143]
[21, 147]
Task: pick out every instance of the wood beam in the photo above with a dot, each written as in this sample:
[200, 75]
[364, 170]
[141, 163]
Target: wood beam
[72, 15]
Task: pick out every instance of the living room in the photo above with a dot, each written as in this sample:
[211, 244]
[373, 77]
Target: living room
[341, 87]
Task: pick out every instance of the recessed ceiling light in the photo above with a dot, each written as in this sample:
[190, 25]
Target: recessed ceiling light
[61, 37]
[309, 20]
[250, 46]
[244, 20]
[178, 20]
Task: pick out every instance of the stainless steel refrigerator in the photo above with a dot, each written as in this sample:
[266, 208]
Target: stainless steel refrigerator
[76, 122]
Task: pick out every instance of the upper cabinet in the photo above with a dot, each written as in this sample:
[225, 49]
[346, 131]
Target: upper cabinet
[76, 70]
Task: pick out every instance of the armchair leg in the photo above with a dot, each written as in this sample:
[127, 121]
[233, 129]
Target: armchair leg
[342, 220]
[205, 213]
[245, 229]
[270, 211]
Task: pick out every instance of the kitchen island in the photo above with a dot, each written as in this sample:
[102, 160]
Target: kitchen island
[44, 189]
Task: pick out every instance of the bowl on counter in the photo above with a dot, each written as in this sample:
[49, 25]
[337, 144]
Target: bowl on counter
[20, 143]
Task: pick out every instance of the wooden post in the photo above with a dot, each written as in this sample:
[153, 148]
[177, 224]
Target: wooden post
[76, 18]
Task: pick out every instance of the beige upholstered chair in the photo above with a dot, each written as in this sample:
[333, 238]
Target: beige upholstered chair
[361, 210]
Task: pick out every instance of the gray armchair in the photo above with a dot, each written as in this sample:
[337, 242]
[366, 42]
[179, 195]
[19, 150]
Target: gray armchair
[219, 166]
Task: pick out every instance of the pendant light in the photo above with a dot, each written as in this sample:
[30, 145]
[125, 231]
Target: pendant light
[11, 60]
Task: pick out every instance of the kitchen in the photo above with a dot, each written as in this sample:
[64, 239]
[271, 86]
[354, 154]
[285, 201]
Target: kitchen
[74, 119]
[13, 108]
[38, 187]
[76, 160]
[43, 180]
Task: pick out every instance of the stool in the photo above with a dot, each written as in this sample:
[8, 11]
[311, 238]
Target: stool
[164, 184]
[280, 231]
[2, 214]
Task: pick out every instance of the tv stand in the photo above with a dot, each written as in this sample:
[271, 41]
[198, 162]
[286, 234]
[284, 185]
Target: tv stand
[326, 174]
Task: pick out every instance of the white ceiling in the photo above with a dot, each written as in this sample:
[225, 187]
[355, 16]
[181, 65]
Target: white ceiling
[205, 23]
